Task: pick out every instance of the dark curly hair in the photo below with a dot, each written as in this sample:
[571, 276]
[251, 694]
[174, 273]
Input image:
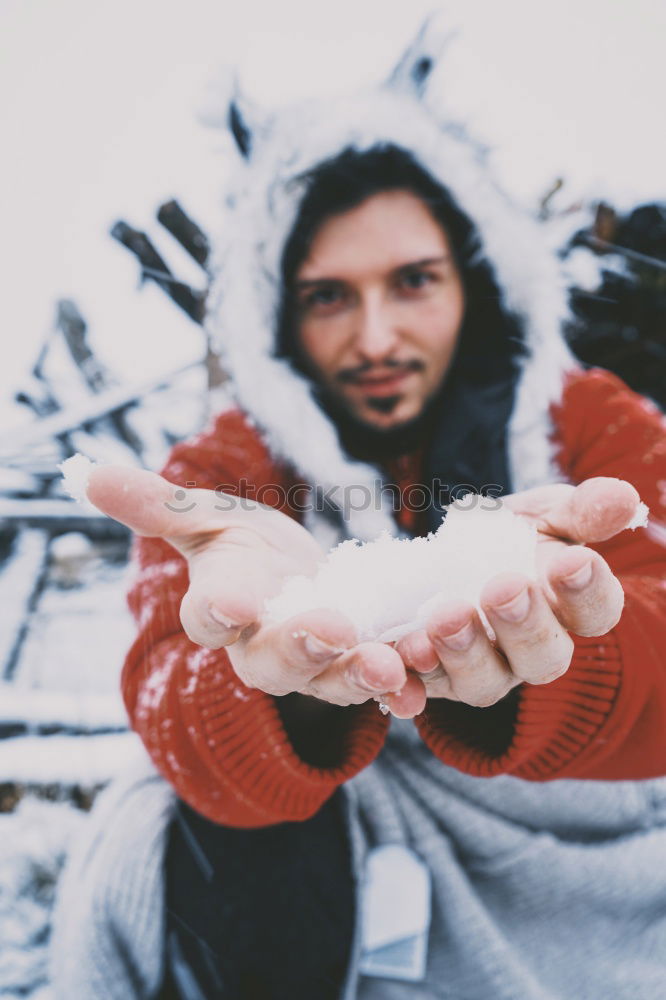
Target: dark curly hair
[491, 338]
[464, 427]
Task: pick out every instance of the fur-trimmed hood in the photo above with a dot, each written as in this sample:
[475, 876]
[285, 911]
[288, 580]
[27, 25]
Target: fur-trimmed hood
[275, 151]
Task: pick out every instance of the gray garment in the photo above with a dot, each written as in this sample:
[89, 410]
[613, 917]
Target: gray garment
[540, 891]
[108, 923]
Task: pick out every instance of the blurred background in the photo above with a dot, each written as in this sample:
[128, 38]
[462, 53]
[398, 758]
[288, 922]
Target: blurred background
[109, 203]
[98, 123]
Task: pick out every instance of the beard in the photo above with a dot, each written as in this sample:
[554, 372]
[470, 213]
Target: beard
[363, 441]
[367, 443]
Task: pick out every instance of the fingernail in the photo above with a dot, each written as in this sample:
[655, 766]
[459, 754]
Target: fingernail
[317, 648]
[357, 678]
[580, 578]
[221, 619]
[515, 610]
[460, 640]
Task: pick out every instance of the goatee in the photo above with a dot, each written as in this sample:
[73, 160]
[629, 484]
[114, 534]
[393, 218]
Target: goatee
[367, 443]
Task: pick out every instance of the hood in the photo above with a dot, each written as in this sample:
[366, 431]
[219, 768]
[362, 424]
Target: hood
[265, 193]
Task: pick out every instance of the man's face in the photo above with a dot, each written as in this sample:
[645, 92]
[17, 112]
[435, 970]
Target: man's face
[380, 305]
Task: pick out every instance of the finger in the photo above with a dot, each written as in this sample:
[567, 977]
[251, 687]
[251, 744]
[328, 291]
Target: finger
[419, 655]
[438, 685]
[537, 647]
[150, 505]
[409, 701]
[477, 673]
[286, 658]
[417, 652]
[366, 670]
[586, 598]
[593, 511]
[210, 622]
[229, 584]
[228, 587]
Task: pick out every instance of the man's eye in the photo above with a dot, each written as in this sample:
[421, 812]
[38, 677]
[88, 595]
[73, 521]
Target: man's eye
[415, 279]
[324, 296]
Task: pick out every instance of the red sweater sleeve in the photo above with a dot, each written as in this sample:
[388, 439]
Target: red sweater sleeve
[222, 745]
[603, 719]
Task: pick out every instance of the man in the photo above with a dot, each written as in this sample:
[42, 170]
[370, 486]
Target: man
[388, 319]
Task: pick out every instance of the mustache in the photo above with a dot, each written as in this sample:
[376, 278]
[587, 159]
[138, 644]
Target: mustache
[389, 367]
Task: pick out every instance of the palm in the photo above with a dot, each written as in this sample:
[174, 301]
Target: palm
[238, 552]
[576, 592]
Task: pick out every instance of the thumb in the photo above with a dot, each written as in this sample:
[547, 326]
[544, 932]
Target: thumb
[593, 511]
[148, 503]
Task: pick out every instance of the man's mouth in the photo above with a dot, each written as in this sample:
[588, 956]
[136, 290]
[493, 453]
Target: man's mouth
[378, 383]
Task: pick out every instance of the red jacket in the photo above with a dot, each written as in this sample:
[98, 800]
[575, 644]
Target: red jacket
[224, 747]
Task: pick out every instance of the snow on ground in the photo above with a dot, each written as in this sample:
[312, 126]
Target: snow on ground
[67, 760]
[34, 842]
[78, 634]
[65, 728]
[52, 708]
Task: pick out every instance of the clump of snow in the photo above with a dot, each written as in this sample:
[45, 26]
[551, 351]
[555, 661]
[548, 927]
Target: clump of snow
[640, 518]
[389, 587]
[70, 554]
[76, 473]
[71, 545]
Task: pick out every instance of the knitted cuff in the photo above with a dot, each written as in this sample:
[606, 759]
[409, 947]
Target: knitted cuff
[537, 730]
[236, 734]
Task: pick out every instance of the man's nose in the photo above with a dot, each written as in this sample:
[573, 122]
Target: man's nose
[376, 333]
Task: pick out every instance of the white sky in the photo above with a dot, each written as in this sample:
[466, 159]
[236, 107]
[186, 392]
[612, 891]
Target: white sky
[97, 110]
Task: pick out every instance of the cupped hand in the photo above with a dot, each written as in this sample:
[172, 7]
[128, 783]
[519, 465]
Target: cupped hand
[575, 592]
[239, 553]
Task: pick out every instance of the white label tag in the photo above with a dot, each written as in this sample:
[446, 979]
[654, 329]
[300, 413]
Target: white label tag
[395, 914]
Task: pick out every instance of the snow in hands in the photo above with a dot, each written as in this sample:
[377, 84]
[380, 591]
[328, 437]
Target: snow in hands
[391, 586]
